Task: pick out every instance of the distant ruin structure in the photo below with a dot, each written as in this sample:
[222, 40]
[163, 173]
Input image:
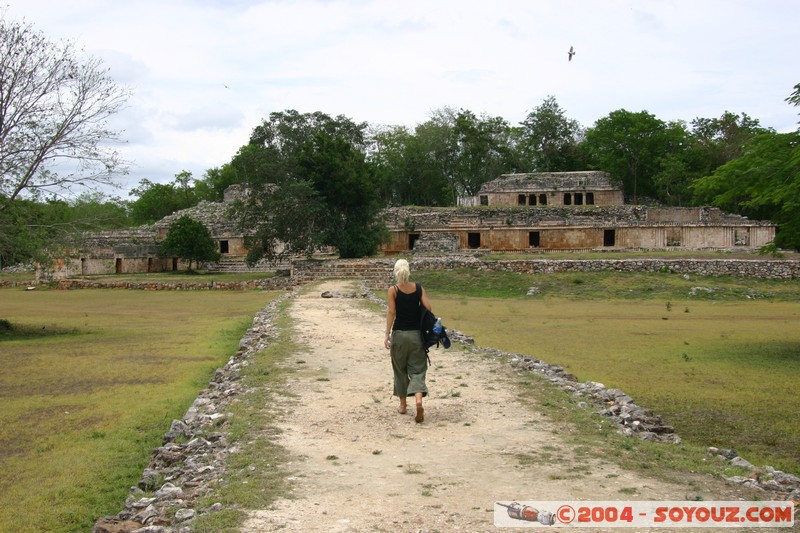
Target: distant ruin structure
[540, 212]
[547, 188]
[567, 211]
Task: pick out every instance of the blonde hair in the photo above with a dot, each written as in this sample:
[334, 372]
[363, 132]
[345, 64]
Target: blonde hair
[401, 271]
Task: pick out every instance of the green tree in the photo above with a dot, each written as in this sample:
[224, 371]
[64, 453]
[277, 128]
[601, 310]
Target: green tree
[388, 159]
[721, 140]
[342, 180]
[794, 98]
[628, 146]
[191, 241]
[483, 151]
[431, 161]
[412, 168]
[763, 183]
[309, 187]
[33, 230]
[215, 181]
[158, 200]
[96, 211]
[21, 238]
[549, 141]
[676, 166]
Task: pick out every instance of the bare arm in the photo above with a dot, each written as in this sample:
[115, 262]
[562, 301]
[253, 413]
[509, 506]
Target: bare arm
[390, 314]
[424, 300]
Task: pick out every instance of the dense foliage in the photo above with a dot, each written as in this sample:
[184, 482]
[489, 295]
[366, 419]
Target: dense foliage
[29, 229]
[191, 241]
[310, 187]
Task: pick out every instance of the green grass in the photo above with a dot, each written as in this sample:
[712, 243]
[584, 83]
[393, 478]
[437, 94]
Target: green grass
[18, 277]
[91, 381]
[721, 367]
[179, 276]
[606, 286]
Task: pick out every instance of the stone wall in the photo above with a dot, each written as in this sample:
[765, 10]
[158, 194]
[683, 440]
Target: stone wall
[377, 273]
[267, 284]
[578, 228]
[440, 241]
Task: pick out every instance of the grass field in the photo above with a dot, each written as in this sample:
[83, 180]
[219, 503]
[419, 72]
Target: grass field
[722, 366]
[91, 381]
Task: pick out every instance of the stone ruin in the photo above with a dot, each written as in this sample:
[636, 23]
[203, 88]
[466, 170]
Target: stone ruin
[575, 211]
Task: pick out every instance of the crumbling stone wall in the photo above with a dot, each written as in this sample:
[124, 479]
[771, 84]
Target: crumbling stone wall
[578, 228]
[377, 273]
[440, 241]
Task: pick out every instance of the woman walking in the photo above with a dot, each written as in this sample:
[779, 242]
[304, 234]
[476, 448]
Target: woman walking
[409, 360]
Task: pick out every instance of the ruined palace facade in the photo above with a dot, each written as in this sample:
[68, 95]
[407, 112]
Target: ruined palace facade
[566, 211]
[515, 212]
[133, 251]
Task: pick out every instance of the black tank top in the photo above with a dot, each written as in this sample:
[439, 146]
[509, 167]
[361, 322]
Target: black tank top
[407, 309]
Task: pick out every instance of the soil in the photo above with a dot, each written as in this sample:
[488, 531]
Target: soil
[360, 466]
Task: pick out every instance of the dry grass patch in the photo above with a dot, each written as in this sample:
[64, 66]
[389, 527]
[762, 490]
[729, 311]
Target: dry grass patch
[724, 373]
[90, 387]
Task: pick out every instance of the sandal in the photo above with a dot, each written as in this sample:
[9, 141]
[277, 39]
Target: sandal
[420, 414]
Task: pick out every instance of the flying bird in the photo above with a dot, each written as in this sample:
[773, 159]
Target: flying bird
[571, 53]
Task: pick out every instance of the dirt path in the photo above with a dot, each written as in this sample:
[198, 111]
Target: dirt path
[363, 467]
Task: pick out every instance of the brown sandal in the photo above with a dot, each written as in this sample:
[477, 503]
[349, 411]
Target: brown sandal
[420, 414]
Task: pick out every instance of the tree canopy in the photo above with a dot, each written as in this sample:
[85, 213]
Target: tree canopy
[310, 187]
[761, 179]
[158, 200]
[549, 141]
[191, 241]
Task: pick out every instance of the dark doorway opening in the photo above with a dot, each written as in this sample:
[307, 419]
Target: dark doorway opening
[223, 247]
[118, 266]
[578, 198]
[521, 199]
[589, 198]
[412, 240]
[567, 199]
[533, 239]
[609, 237]
[542, 199]
[474, 240]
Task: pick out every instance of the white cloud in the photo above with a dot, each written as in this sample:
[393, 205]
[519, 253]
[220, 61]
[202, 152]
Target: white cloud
[206, 72]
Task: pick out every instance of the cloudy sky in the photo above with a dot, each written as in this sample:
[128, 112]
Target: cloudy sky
[204, 73]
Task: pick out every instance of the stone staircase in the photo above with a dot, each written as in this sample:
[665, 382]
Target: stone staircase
[237, 263]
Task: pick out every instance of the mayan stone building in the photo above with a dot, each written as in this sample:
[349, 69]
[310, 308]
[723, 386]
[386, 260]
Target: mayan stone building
[515, 212]
[547, 188]
[566, 211]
